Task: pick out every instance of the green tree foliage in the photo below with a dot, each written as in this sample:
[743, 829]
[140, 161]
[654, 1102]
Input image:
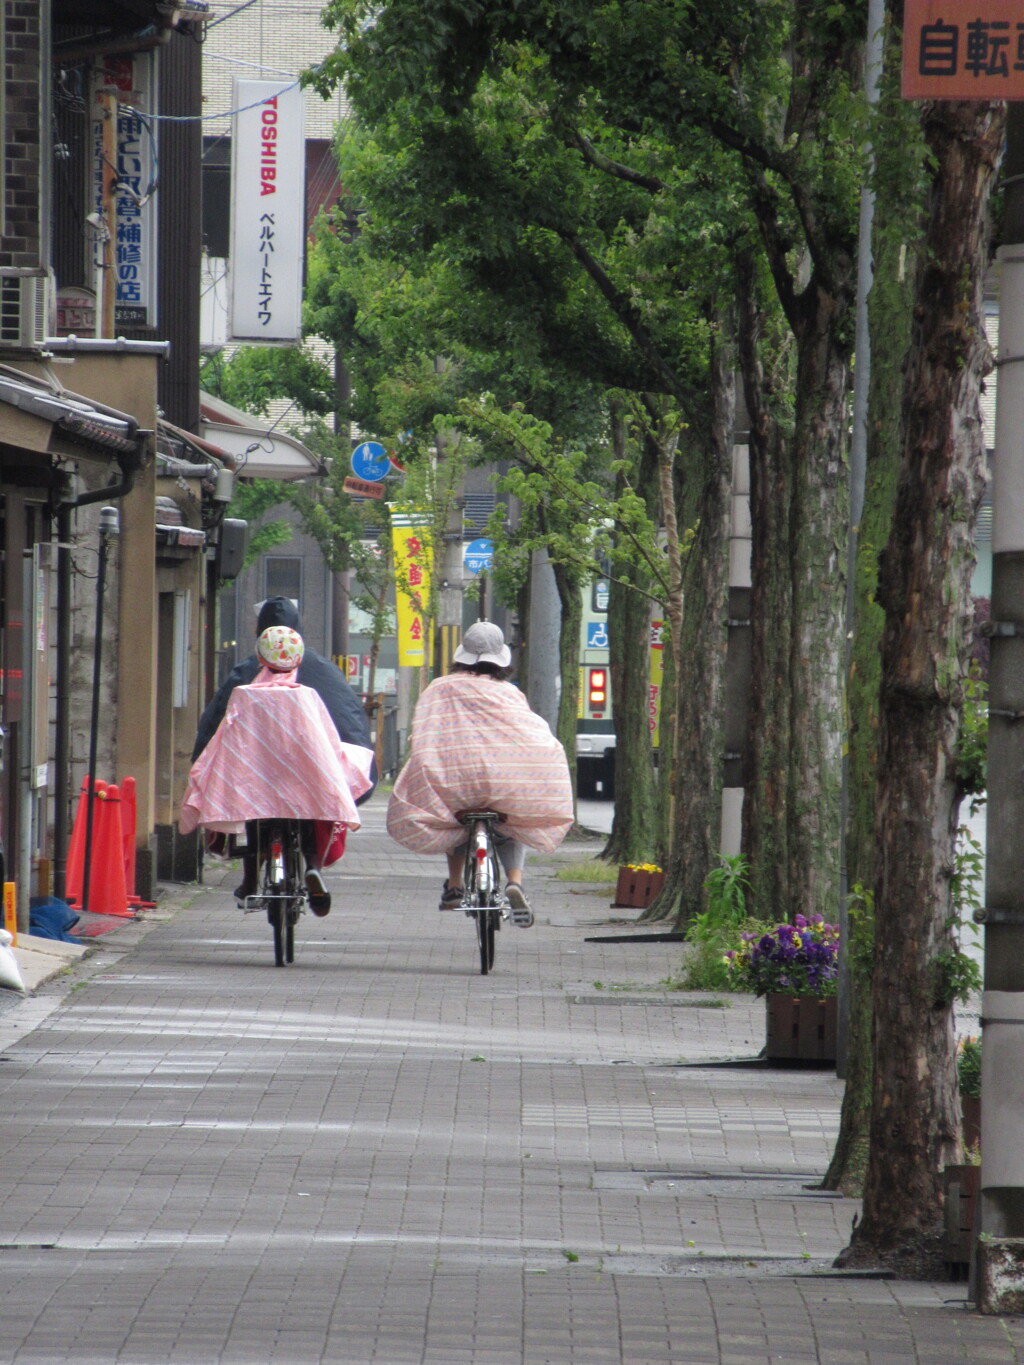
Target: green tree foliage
[568, 156]
[256, 375]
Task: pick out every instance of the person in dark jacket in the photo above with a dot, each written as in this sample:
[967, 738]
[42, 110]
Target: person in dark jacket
[324, 676]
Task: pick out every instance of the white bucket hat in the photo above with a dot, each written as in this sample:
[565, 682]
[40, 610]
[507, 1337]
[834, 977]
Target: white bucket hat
[483, 643]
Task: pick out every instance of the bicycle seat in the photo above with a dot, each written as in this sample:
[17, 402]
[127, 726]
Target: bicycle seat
[465, 817]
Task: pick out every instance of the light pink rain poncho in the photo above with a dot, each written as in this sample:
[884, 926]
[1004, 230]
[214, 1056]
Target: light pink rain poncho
[276, 754]
[476, 745]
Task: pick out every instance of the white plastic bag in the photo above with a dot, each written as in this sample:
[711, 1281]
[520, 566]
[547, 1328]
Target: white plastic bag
[10, 972]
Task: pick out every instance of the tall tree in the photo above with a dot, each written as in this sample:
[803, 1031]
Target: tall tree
[924, 589]
[900, 186]
[514, 146]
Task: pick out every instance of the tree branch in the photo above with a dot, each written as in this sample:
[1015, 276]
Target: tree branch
[628, 315]
[604, 163]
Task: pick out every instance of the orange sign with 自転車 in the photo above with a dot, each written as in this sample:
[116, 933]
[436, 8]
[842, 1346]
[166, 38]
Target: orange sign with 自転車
[963, 50]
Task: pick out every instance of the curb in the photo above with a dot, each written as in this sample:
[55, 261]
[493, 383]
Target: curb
[41, 960]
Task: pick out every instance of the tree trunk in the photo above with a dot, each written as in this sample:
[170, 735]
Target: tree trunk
[924, 588]
[700, 688]
[818, 546]
[898, 224]
[798, 507]
[766, 789]
[634, 834]
[568, 586]
[890, 308]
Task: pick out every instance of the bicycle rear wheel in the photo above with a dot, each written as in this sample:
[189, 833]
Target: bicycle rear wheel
[283, 888]
[478, 881]
[485, 918]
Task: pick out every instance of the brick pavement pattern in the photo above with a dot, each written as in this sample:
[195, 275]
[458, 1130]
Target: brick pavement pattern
[378, 1155]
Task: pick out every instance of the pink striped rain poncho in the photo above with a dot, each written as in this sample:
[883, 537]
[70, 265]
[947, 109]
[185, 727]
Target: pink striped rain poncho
[476, 745]
[277, 754]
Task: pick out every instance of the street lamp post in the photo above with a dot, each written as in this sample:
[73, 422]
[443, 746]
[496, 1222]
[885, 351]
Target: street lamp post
[108, 529]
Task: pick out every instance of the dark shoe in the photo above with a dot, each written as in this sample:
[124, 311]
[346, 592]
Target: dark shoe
[319, 896]
[520, 913]
[248, 887]
[451, 897]
[243, 892]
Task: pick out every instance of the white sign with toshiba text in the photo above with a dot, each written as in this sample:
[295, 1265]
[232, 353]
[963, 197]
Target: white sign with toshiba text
[268, 213]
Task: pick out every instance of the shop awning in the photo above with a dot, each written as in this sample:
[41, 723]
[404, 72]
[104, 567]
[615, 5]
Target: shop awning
[36, 416]
[260, 450]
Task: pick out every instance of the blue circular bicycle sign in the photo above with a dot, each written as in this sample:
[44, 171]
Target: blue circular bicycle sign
[370, 461]
[477, 556]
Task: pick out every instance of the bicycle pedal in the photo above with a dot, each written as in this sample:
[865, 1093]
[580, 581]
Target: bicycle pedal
[522, 919]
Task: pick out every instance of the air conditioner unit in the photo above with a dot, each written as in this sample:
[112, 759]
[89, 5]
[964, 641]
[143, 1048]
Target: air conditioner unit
[26, 310]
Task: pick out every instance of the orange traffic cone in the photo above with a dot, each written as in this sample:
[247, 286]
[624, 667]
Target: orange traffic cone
[76, 846]
[106, 894]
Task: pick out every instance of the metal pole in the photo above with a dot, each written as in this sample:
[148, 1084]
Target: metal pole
[858, 474]
[108, 528]
[63, 726]
[106, 301]
[1002, 1065]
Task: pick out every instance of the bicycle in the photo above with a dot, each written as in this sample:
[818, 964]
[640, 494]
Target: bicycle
[484, 899]
[282, 892]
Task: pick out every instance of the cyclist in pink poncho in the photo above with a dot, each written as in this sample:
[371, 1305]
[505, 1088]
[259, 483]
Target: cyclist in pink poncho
[476, 745]
[276, 754]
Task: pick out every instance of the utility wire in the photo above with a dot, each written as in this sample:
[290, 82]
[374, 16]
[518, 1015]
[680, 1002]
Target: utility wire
[212, 23]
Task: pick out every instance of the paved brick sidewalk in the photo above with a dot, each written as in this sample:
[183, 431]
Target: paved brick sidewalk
[378, 1155]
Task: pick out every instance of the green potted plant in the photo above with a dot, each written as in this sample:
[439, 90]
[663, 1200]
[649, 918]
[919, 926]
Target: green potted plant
[795, 967]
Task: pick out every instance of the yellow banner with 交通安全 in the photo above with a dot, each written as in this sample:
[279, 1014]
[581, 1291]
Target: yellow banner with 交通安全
[413, 559]
[657, 678]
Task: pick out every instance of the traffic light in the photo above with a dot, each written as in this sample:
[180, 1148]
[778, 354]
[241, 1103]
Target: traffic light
[597, 690]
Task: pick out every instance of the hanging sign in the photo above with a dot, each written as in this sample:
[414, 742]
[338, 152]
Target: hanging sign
[413, 557]
[268, 213]
[963, 50]
[359, 488]
[132, 253]
[478, 556]
[656, 681]
[370, 461]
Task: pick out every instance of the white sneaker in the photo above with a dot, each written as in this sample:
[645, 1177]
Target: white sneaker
[519, 907]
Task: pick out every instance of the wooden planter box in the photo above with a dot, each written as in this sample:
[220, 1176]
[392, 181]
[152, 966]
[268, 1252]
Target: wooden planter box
[636, 890]
[962, 1186]
[801, 1028]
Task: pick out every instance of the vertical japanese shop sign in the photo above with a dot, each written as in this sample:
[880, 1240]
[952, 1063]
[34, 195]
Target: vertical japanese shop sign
[268, 213]
[963, 49]
[133, 254]
[656, 681]
[412, 588]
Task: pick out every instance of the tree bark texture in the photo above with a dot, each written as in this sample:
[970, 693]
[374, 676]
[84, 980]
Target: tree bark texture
[924, 588]
[818, 531]
[766, 789]
[798, 507]
[890, 311]
[568, 586]
[634, 834]
[700, 691]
